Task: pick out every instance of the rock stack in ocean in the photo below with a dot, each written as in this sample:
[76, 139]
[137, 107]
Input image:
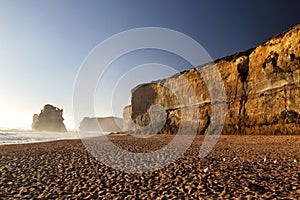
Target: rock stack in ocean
[50, 119]
[262, 88]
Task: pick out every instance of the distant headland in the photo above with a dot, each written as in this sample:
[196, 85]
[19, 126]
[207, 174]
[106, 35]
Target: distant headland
[105, 124]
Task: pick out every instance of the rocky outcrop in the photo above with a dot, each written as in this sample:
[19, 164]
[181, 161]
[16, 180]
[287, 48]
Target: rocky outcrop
[50, 119]
[262, 89]
[106, 124]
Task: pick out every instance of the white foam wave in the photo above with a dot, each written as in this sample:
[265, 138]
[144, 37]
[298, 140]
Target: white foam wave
[34, 137]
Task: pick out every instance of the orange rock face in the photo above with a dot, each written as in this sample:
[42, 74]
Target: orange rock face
[262, 88]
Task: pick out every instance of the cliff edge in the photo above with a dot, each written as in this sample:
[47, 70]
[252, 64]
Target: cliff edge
[262, 89]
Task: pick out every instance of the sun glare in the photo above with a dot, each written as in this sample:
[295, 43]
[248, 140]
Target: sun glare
[13, 120]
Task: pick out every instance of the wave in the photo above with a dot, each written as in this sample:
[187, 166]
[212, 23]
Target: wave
[20, 137]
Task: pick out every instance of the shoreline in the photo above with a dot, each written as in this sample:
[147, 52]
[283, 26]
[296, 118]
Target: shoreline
[128, 135]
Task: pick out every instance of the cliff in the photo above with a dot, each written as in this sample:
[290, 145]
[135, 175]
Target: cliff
[262, 88]
[50, 119]
[107, 124]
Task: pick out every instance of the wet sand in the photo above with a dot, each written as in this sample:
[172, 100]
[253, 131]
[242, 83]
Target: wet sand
[236, 167]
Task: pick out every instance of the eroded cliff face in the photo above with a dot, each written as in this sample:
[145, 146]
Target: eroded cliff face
[50, 119]
[262, 89]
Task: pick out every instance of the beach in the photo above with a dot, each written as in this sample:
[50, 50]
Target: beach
[238, 166]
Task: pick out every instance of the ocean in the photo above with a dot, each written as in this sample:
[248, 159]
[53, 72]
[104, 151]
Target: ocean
[22, 137]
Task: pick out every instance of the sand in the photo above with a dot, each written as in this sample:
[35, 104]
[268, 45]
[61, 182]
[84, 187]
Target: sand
[235, 168]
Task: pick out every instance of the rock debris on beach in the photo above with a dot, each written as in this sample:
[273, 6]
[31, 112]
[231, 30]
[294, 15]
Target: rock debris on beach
[66, 170]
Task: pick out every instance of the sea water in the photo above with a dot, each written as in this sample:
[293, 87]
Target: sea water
[22, 137]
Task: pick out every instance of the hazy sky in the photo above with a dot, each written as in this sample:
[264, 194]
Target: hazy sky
[44, 42]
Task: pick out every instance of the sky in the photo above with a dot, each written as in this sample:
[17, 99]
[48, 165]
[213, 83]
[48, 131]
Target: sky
[43, 44]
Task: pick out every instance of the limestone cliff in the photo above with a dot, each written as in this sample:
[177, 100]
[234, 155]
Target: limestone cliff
[107, 124]
[50, 119]
[262, 88]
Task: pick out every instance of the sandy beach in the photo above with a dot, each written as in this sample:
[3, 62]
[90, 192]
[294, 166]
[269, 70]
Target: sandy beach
[239, 166]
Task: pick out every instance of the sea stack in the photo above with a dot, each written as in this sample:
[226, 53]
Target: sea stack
[50, 119]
